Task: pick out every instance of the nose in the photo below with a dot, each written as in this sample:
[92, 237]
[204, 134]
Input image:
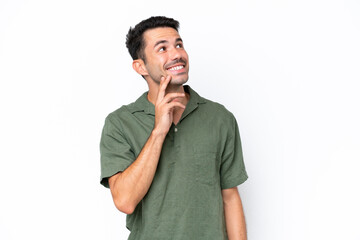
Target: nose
[175, 53]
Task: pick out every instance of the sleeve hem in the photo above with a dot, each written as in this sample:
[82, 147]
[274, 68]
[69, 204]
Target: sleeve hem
[235, 182]
[105, 175]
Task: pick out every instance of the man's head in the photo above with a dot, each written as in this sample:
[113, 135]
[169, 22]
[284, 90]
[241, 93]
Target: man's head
[134, 39]
[157, 50]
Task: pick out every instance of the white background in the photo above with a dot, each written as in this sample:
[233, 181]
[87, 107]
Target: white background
[288, 70]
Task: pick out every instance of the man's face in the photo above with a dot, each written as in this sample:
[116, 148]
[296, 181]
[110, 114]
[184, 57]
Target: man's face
[165, 55]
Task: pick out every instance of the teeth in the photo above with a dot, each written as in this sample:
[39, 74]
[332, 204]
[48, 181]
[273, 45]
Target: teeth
[176, 68]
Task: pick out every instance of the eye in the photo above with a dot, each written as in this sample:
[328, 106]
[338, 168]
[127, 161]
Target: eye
[161, 49]
[179, 45]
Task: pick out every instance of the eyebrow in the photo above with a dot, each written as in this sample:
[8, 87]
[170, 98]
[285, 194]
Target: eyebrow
[164, 41]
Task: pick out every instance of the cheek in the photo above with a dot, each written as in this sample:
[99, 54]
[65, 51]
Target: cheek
[185, 55]
[162, 59]
[161, 63]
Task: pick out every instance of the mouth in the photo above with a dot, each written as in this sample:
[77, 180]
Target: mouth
[177, 69]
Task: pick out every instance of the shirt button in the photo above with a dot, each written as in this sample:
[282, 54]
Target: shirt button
[175, 129]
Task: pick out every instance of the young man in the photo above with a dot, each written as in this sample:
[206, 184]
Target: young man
[172, 159]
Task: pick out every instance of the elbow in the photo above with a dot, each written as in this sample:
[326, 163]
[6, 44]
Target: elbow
[123, 199]
[125, 207]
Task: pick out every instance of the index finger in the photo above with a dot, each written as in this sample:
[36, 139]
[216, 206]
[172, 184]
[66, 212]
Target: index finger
[163, 85]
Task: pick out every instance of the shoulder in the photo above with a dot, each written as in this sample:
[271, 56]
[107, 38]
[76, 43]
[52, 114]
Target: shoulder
[119, 117]
[216, 110]
[217, 116]
[218, 107]
[211, 107]
[126, 111]
[119, 114]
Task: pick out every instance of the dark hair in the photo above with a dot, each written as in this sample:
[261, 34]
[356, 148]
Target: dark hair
[135, 40]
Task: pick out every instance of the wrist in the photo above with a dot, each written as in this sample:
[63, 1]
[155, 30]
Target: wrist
[158, 133]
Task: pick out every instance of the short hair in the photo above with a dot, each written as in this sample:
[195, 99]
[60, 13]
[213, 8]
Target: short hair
[135, 40]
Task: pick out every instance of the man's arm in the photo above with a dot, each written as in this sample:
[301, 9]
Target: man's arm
[234, 214]
[130, 186]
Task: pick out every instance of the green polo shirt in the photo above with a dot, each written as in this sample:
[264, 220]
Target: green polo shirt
[201, 155]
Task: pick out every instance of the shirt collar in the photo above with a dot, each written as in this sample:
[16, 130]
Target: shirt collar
[142, 104]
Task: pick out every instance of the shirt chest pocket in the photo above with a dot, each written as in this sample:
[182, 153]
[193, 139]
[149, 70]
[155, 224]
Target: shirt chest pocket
[202, 168]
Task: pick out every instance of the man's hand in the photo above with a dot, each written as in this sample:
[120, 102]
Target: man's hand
[165, 105]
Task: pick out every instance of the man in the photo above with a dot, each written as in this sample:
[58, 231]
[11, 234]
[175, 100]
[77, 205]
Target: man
[172, 159]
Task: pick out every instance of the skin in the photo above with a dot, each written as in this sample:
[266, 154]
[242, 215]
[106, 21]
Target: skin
[234, 214]
[164, 50]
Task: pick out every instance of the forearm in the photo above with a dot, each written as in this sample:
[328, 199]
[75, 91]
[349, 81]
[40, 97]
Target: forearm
[130, 186]
[234, 217]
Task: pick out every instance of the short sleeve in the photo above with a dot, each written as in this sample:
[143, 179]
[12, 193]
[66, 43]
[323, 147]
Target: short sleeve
[232, 170]
[116, 153]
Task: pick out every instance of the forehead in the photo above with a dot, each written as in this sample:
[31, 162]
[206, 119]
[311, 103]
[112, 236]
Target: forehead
[152, 36]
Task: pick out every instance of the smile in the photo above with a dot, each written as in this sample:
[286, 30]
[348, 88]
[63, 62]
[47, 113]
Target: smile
[175, 68]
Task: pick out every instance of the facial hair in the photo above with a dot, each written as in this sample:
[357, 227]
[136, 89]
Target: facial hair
[156, 77]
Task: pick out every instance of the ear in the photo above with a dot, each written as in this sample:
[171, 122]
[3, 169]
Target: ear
[139, 66]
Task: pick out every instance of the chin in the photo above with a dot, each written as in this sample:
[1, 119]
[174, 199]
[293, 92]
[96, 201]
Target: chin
[179, 80]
